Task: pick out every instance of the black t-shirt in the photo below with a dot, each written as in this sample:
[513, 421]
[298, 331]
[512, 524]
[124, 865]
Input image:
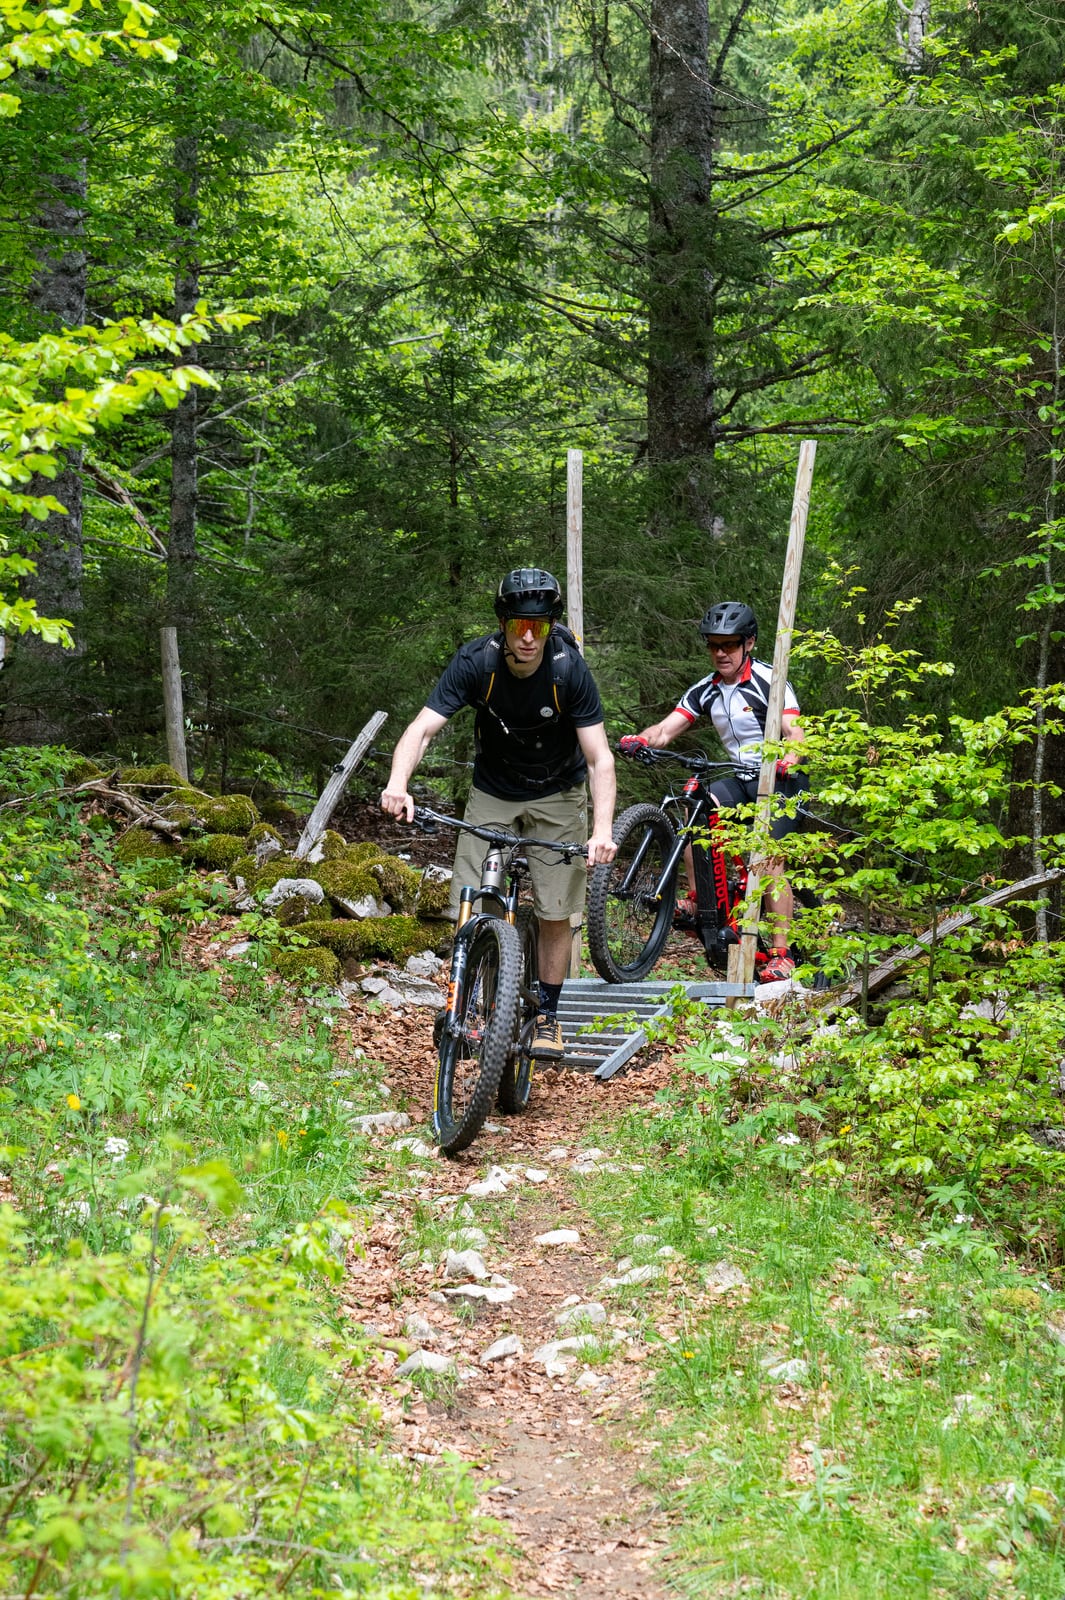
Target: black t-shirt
[526, 734]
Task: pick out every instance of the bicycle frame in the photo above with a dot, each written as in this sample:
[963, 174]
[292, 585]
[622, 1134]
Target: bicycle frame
[716, 902]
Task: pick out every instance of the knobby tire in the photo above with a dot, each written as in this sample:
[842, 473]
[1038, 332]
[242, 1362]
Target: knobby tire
[471, 1066]
[628, 930]
[515, 1086]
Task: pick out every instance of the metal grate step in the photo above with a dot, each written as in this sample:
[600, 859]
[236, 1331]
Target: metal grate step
[614, 1014]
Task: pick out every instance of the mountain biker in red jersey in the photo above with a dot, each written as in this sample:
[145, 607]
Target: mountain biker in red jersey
[735, 696]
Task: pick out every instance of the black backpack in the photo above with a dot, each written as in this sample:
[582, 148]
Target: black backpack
[562, 646]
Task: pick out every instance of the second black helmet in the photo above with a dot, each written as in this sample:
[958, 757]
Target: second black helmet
[730, 617]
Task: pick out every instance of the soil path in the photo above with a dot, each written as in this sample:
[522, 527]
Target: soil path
[558, 1451]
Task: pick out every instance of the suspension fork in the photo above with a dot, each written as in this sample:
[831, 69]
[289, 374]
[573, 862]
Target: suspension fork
[625, 886]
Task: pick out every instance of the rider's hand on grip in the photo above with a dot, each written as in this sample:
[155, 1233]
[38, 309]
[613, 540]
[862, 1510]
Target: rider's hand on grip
[634, 744]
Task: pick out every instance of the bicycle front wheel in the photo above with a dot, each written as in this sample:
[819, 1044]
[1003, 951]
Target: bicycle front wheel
[516, 1083]
[628, 921]
[473, 1055]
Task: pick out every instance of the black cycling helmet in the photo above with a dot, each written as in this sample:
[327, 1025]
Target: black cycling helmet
[529, 592]
[730, 617]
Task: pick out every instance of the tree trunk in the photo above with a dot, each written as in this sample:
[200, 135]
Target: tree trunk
[681, 279]
[181, 548]
[911, 25]
[41, 698]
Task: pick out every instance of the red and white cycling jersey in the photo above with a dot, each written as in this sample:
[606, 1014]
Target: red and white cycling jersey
[737, 710]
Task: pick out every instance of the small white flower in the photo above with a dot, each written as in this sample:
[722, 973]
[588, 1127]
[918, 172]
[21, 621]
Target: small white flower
[329, 1022]
[788, 1138]
[113, 1037]
[52, 897]
[117, 1149]
[962, 1219]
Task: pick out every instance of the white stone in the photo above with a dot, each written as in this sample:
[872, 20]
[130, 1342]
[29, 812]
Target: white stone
[666, 1252]
[556, 1237]
[589, 1379]
[266, 849]
[644, 1241]
[489, 1294]
[425, 1361]
[363, 906]
[419, 1328]
[232, 951]
[559, 1355]
[417, 1147]
[509, 1345]
[559, 1153]
[634, 1276]
[376, 1121]
[794, 1371]
[424, 965]
[486, 1188]
[467, 1239]
[261, 1092]
[464, 1264]
[725, 1275]
[293, 889]
[589, 1311]
[537, 1175]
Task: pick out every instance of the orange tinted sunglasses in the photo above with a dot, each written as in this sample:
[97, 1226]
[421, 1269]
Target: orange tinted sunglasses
[539, 627]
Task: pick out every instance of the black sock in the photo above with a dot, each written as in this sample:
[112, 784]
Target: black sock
[549, 993]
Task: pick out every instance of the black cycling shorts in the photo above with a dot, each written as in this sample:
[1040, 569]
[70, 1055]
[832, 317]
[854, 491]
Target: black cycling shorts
[737, 791]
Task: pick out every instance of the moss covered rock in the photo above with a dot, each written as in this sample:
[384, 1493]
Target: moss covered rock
[395, 937]
[81, 770]
[258, 880]
[231, 813]
[159, 777]
[142, 844]
[274, 810]
[434, 894]
[345, 880]
[315, 965]
[333, 846]
[264, 834]
[218, 851]
[292, 913]
[399, 882]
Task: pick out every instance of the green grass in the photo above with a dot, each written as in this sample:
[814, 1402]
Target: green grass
[919, 1453]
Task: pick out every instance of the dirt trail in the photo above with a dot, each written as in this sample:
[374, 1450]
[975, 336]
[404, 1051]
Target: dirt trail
[559, 1453]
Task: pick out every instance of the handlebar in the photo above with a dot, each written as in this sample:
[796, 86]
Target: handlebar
[428, 820]
[650, 757]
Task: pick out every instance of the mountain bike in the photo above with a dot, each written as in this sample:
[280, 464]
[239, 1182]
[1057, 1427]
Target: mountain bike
[631, 901]
[493, 997]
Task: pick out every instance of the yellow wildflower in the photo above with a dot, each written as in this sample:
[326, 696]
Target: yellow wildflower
[74, 1102]
[282, 1137]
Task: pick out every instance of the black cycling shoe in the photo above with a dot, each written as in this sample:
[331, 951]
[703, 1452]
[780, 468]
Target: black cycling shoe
[684, 915]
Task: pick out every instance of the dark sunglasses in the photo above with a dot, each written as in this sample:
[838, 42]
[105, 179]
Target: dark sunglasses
[723, 644]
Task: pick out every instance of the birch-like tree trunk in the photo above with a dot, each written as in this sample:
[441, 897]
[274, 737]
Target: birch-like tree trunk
[184, 468]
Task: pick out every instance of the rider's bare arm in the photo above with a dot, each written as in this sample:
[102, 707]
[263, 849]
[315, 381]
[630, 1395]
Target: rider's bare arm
[792, 732]
[603, 786]
[413, 743]
[662, 733]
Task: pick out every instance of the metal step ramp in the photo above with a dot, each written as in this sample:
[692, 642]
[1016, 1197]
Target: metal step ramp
[614, 1015]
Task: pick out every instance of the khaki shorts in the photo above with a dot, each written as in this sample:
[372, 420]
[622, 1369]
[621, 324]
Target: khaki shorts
[558, 888]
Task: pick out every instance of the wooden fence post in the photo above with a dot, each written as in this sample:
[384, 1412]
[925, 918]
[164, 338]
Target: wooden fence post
[741, 956]
[329, 798]
[173, 704]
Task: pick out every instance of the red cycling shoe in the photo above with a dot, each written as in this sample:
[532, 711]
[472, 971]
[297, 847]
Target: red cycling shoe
[780, 965]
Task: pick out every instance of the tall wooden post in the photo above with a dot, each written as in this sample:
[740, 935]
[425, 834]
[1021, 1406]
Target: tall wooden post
[575, 543]
[741, 956]
[575, 611]
[173, 703]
